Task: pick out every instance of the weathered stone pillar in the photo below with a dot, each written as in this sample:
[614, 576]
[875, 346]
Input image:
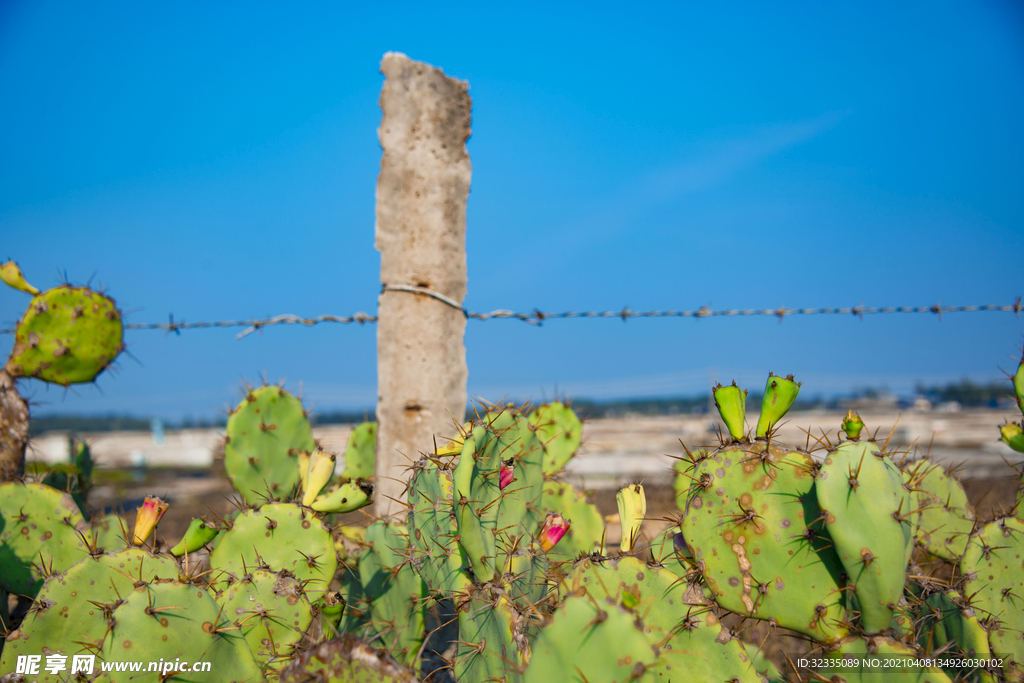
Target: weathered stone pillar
[421, 235]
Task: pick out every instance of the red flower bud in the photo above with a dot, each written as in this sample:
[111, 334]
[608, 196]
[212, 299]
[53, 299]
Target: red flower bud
[505, 477]
[554, 528]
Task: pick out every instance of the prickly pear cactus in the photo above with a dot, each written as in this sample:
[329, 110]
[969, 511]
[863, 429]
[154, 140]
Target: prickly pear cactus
[67, 335]
[271, 612]
[394, 592]
[491, 645]
[41, 532]
[280, 536]
[440, 559]
[559, 431]
[265, 435]
[866, 511]
[174, 621]
[360, 455]
[994, 571]
[587, 530]
[346, 660]
[677, 621]
[945, 520]
[72, 609]
[595, 640]
[755, 530]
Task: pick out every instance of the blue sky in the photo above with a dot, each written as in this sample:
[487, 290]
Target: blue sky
[219, 161]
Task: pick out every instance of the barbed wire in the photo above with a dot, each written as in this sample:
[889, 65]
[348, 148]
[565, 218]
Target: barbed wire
[537, 317]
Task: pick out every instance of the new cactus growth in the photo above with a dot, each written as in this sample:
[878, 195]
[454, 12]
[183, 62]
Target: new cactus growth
[319, 471]
[199, 533]
[632, 503]
[853, 425]
[779, 396]
[360, 455]
[11, 274]
[349, 496]
[1012, 435]
[731, 402]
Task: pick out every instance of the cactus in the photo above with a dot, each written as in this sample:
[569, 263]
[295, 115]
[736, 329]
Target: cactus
[866, 511]
[394, 592]
[754, 527]
[779, 396]
[731, 402]
[360, 455]
[271, 612]
[992, 568]
[266, 432]
[559, 431]
[440, 559]
[632, 504]
[67, 619]
[41, 532]
[587, 530]
[172, 622]
[279, 536]
[595, 640]
[945, 520]
[491, 645]
[947, 624]
[67, 335]
[346, 660]
[880, 647]
[199, 533]
[676, 620]
[852, 425]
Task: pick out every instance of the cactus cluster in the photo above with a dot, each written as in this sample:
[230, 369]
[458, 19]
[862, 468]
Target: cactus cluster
[847, 547]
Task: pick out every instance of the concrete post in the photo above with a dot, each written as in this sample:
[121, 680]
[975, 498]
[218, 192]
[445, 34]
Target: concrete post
[421, 235]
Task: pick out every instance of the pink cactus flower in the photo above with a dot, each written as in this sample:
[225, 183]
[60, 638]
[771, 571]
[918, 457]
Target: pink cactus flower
[554, 528]
[149, 514]
[505, 477]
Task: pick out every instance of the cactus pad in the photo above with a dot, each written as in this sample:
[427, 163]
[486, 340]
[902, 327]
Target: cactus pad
[586, 530]
[994, 569]
[67, 335]
[559, 431]
[862, 499]
[595, 641]
[946, 519]
[361, 453]
[41, 532]
[279, 536]
[265, 435]
[177, 621]
[69, 610]
[491, 644]
[676, 620]
[271, 611]
[753, 525]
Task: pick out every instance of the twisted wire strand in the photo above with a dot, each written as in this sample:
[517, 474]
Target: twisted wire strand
[537, 317]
